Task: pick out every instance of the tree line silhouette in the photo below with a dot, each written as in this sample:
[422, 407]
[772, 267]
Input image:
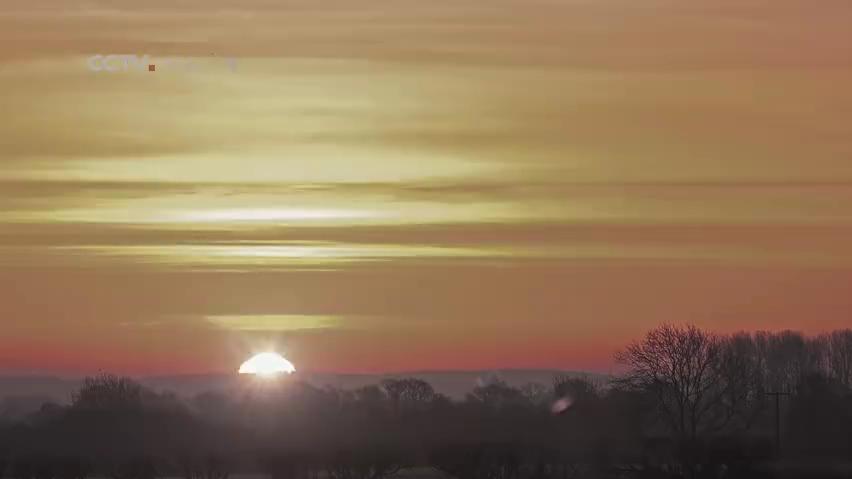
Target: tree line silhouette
[689, 404]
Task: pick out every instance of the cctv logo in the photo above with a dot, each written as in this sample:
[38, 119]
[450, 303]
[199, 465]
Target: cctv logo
[116, 63]
[130, 63]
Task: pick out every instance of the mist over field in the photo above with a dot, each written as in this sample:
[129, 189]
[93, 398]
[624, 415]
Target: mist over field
[28, 392]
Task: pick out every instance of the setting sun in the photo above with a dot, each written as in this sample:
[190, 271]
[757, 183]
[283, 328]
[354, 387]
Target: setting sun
[267, 364]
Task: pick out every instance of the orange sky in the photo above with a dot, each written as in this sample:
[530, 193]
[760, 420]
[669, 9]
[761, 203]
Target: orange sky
[397, 184]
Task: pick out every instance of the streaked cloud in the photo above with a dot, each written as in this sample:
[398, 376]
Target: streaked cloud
[441, 170]
[275, 323]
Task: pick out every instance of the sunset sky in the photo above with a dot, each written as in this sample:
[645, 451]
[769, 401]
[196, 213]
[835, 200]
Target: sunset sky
[388, 185]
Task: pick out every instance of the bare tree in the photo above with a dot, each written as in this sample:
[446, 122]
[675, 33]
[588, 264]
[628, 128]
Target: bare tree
[577, 388]
[838, 356]
[497, 394]
[409, 389]
[786, 357]
[407, 392]
[535, 393]
[108, 391]
[681, 367]
[742, 397]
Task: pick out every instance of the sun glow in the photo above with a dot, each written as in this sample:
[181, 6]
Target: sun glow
[267, 214]
[267, 365]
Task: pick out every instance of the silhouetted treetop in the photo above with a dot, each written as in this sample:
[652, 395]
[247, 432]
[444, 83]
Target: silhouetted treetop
[107, 391]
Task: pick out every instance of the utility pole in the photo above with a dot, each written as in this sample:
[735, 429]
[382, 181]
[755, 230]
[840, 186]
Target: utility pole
[777, 396]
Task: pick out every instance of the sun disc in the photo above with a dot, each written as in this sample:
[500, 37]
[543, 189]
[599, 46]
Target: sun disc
[267, 364]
